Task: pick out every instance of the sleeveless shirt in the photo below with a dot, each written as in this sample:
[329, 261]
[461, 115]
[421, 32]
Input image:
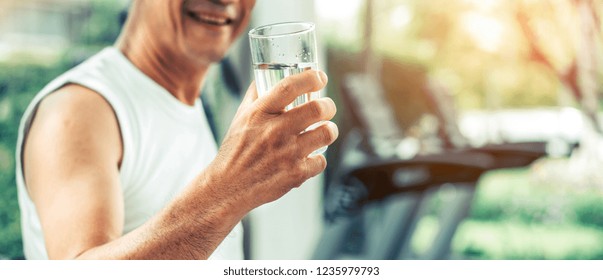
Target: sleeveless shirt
[166, 143]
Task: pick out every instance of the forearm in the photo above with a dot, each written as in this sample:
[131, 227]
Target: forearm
[190, 227]
[263, 156]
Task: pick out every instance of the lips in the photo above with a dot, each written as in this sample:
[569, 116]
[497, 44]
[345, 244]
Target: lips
[210, 18]
[211, 13]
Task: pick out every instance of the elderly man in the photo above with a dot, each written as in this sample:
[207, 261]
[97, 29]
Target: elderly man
[116, 159]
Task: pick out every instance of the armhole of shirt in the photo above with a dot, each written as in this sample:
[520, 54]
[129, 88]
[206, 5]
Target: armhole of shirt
[97, 89]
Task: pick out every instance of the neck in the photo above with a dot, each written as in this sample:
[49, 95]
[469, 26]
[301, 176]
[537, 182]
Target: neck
[179, 76]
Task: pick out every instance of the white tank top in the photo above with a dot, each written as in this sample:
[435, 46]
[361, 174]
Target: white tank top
[166, 143]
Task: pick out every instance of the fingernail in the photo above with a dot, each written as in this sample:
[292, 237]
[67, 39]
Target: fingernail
[322, 77]
[334, 128]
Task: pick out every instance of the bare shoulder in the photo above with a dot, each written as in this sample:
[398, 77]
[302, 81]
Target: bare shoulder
[74, 129]
[74, 100]
[71, 159]
[74, 114]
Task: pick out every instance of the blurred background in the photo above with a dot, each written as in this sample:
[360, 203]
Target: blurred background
[413, 80]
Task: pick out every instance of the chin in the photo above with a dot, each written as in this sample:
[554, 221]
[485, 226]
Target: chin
[207, 49]
[208, 56]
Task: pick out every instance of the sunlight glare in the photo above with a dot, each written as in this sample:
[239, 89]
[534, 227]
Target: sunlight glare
[487, 32]
[400, 16]
[484, 5]
[337, 10]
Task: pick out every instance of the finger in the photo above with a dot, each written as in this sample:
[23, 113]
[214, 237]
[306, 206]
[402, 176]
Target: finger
[285, 92]
[302, 116]
[251, 95]
[321, 136]
[314, 165]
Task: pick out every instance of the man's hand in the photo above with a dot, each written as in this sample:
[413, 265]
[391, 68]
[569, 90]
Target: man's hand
[265, 152]
[74, 179]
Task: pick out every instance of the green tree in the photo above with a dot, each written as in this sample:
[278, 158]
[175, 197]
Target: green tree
[19, 82]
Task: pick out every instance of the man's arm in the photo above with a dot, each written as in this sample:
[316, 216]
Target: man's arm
[71, 164]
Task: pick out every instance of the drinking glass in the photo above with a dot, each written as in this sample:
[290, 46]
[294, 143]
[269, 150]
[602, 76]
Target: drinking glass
[281, 50]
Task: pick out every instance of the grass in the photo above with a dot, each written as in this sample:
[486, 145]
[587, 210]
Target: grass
[514, 216]
[516, 240]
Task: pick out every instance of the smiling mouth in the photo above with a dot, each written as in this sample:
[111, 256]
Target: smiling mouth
[211, 19]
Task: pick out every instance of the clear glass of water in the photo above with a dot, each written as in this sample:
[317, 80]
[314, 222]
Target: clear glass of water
[281, 50]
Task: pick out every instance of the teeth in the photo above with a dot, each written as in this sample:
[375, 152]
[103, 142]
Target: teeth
[212, 19]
